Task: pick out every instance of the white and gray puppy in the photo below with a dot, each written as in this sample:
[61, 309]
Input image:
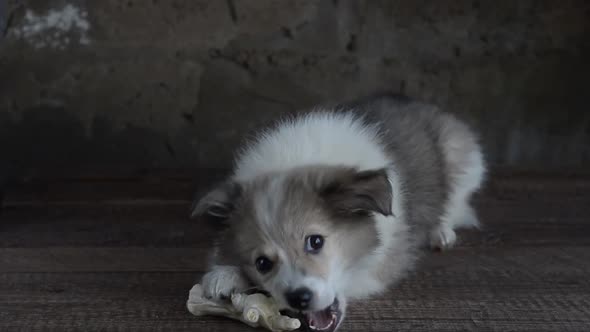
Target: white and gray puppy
[335, 204]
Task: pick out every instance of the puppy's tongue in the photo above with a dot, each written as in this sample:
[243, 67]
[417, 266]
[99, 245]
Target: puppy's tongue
[320, 320]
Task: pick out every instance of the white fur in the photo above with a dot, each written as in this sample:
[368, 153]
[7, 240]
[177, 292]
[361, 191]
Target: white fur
[222, 280]
[266, 209]
[324, 292]
[288, 278]
[318, 138]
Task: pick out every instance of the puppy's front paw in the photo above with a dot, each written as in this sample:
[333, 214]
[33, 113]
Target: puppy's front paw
[222, 281]
[443, 237]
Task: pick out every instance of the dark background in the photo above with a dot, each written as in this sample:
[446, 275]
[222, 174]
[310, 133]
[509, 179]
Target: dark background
[113, 113]
[175, 84]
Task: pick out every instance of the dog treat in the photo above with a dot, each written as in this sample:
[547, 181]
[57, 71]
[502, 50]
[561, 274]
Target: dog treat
[256, 310]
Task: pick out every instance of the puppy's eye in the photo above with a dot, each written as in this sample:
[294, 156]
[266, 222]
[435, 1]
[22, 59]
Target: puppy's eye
[314, 243]
[263, 264]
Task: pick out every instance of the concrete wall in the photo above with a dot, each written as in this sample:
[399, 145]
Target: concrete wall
[175, 83]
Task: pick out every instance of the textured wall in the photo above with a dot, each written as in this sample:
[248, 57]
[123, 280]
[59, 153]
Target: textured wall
[175, 83]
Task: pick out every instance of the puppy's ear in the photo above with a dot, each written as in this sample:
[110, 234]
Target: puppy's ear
[218, 203]
[359, 193]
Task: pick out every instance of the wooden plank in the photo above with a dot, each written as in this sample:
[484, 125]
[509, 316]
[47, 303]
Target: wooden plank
[103, 225]
[83, 218]
[182, 187]
[490, 211]
[159, 230]
[493, 211]
[481, 291]
[100, 192]
[111, 188]
[57, 259]
[435, 278]
[168, 225]
[122, 256]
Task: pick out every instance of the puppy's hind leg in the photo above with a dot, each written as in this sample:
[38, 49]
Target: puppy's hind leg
[466, 170]
[458, 211]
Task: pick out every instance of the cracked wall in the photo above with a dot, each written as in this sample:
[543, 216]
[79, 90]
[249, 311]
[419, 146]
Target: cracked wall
[177, 83]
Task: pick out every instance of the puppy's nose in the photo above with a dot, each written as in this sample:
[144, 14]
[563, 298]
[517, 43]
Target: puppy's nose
[299, 298]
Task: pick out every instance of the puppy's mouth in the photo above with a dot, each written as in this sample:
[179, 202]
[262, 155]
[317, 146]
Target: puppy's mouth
[326, 320]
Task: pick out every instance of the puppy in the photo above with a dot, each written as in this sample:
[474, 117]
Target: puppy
[334, 205]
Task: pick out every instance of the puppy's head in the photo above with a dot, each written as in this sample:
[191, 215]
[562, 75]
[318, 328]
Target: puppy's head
[297, 233]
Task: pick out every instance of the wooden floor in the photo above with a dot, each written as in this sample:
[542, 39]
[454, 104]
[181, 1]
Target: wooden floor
[119, 253]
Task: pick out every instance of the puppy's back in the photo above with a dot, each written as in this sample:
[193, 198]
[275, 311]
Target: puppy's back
[417, 137]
